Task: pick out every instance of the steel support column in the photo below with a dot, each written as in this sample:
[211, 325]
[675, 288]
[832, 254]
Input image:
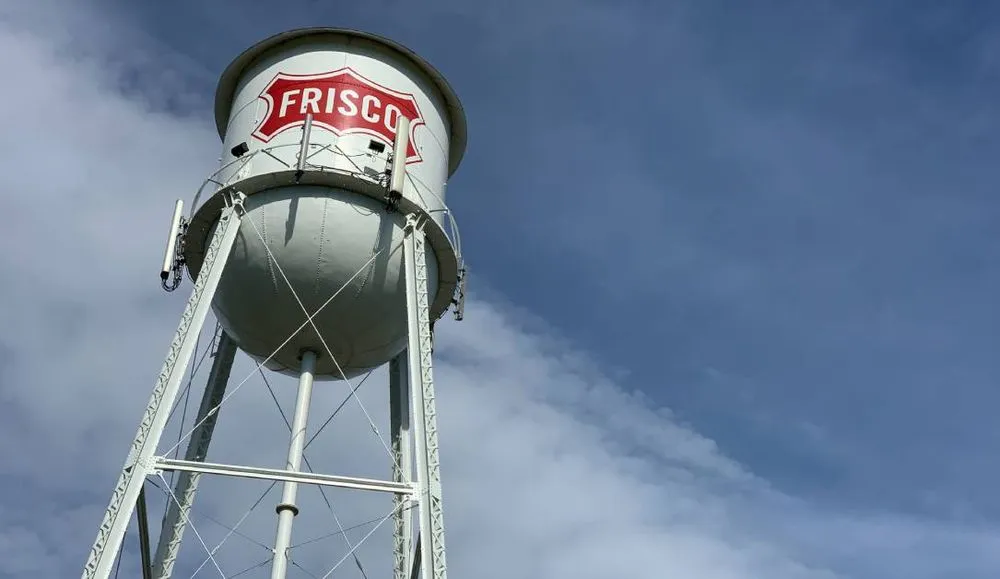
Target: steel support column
[176, 517]
[402, 463]
[421, 379]
[138, 465]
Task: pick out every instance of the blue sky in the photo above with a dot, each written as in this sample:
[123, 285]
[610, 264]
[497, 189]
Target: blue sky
[777, 218]
[772, 228]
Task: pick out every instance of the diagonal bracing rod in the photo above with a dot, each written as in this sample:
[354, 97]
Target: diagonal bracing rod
[175, 519]
[100, 561]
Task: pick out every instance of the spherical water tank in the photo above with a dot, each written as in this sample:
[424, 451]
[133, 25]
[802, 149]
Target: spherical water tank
[324, 228]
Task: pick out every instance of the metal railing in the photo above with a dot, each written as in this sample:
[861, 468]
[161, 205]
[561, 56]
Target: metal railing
[287, 155]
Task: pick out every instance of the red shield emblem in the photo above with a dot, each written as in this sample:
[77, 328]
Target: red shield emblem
[341, 101]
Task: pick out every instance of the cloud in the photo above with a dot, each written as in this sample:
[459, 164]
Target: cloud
[552, 467]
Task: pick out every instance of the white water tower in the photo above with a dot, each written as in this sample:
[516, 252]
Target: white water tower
[325, 248]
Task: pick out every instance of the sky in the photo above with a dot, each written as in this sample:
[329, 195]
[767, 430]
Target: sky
[732, 296]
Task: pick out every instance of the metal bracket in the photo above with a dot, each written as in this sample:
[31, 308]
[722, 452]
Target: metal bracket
[392, 201]
[459, 301]
[235, 199]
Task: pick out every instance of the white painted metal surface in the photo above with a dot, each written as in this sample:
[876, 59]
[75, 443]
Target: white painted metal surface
[317, 239]
[356, 91]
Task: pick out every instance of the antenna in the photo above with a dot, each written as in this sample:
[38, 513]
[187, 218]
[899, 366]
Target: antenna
[399, 156]
[379, 247]
[397, 164]
[303, 159]
[170, 252]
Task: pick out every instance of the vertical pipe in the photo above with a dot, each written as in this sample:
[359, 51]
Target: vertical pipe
[402, 461]
[286, 509]
[142, 519]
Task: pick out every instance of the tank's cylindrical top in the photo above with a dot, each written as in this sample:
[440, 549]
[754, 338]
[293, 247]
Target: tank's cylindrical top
[355, 85]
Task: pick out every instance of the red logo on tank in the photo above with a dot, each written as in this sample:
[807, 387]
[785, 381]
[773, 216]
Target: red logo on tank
[341, 101]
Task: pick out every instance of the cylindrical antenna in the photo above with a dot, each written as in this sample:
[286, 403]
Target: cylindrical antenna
[170, 254]
[399, 149]
[300, 168]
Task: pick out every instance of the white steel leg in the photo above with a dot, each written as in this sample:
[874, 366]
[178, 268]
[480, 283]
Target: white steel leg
[402, 462]
[139, 463]
[176, 517]
[287, 509]
[421, 378]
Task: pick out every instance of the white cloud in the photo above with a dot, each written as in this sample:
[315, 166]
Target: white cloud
[552, 469]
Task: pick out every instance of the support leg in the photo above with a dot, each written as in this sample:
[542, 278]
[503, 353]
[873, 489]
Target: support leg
[176, 517]
[287, 509]
[432, 554]
[138, 465]
[402, 462]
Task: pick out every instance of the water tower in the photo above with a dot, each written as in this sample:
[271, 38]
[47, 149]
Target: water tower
[325, 248]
